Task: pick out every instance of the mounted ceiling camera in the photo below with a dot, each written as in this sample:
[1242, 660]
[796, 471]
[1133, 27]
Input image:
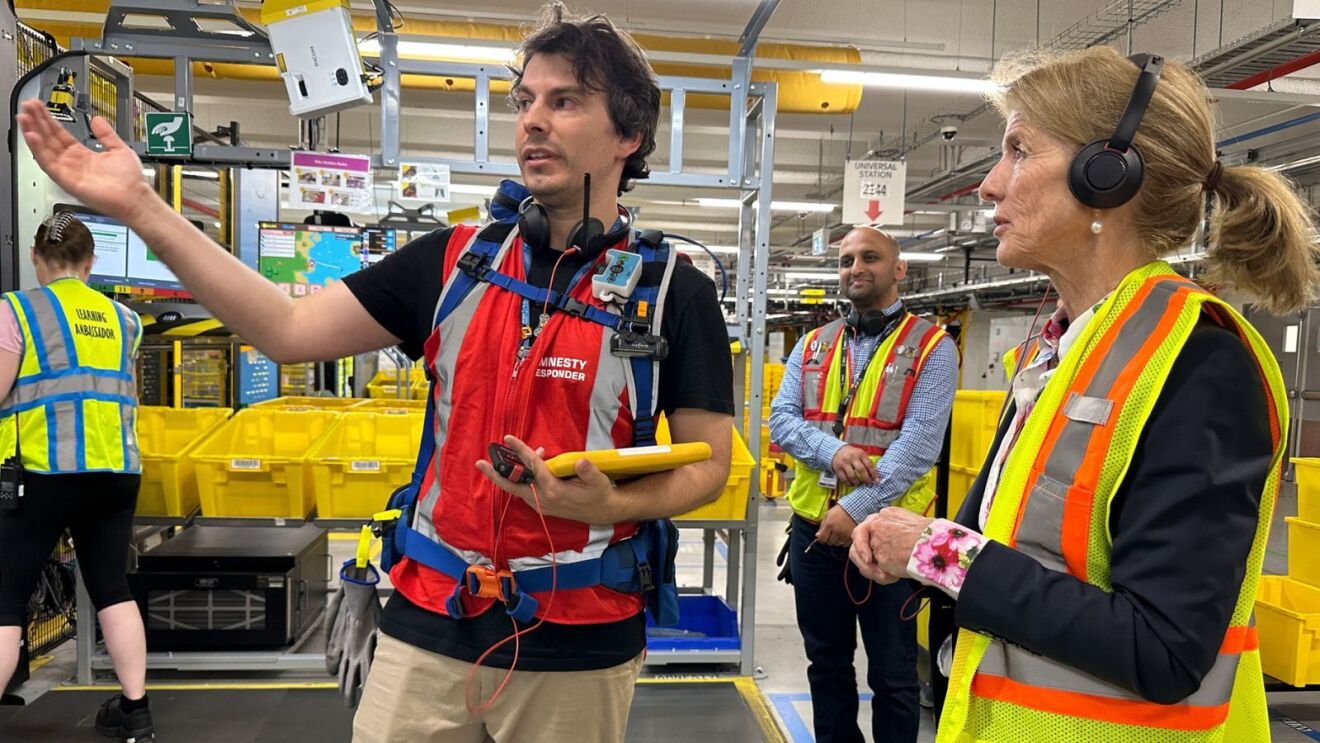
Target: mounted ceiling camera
[948, 132]
[317, 56]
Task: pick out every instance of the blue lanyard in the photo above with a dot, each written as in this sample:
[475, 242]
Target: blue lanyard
[529, 333]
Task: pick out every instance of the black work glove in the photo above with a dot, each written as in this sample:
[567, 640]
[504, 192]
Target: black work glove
[785, 572]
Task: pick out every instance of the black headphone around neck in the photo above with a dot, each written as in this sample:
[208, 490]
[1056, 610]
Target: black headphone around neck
[1107, 173]
[871, 322]
[588, 236]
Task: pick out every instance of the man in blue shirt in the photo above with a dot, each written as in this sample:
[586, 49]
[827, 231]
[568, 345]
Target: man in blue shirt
[863, 408]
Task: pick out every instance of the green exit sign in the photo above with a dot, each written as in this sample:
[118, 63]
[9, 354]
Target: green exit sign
[169, 134]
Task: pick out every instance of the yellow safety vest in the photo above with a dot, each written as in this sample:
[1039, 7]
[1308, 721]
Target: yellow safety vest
[74, 403]
[1075, 449]
[874, 417]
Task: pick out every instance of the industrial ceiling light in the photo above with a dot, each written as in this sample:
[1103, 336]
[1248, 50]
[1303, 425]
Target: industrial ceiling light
[779, 206]
[934, 83]
[923, 257]
[441, 50]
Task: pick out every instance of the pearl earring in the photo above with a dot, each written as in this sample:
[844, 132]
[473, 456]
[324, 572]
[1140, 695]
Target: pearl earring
[1096, 227]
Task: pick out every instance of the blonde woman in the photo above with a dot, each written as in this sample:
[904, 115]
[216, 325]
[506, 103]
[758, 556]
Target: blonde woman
[1105, 562]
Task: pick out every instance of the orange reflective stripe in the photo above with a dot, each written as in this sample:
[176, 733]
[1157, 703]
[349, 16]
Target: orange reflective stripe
[1239, 640]
[1100, 709]
[1087, 370]
[1077, 511]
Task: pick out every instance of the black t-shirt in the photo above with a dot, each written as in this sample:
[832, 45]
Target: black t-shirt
[401, 293]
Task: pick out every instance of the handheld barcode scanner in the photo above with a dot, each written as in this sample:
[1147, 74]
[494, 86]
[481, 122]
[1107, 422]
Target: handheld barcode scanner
[506, 462]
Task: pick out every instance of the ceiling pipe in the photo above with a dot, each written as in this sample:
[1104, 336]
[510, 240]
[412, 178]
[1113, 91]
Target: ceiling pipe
[1287, 68]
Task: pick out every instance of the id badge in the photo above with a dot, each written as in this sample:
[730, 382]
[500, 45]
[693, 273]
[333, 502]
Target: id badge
[828, 480]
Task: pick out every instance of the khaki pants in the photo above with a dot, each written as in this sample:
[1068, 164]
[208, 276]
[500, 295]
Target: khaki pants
[416, 695]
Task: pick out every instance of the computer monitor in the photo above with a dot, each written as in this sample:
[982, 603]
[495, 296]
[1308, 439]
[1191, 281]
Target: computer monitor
[379, 242]
[303, 258]
[124, 263]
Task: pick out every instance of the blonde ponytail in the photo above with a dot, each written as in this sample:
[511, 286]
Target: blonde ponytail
[1261, 239]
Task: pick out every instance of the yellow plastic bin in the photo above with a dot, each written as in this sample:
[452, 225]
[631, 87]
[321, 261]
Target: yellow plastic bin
[166, 438]
[309, 403]
[255, 465]
[732, 503]
[386, 385]
[361, 459]
[1288, 624]
[1308, 488]
[975, 418]
[389, 407]
[1304, 550]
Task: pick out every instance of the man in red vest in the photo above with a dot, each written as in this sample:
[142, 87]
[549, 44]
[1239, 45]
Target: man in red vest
[587, 103]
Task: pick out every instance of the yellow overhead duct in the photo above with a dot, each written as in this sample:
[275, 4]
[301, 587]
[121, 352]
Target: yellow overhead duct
[799, 92]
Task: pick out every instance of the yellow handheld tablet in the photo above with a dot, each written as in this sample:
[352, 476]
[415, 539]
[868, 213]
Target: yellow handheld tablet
[631, 462]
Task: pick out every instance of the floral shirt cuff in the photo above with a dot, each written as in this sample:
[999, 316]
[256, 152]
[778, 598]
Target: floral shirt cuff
[943, 554]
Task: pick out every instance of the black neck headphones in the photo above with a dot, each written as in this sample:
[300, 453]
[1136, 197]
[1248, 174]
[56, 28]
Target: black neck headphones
[1107, 173]
[587, 236]
[871, 322]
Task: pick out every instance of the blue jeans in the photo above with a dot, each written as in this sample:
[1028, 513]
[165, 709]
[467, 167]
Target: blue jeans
[828, 619]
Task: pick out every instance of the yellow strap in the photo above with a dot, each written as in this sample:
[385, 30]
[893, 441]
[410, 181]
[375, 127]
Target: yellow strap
[390, 515]
[364, 547]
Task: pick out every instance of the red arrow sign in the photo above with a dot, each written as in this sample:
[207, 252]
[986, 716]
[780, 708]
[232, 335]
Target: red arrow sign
[873, 210]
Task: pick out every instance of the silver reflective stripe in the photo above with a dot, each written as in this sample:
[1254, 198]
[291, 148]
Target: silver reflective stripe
[454, 328]
[47, 325]
[814, 371]
[596, 544]
[811, 390]
[902, 361]
[880, 438]
[65, 456]
[598, 539]
[1093, 410]
[1041, 533]
[613, 376]
[74, 384]
[128, 419]
[1025, 667]
[1069, 450]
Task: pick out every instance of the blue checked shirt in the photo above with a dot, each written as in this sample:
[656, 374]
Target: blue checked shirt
[912, 454]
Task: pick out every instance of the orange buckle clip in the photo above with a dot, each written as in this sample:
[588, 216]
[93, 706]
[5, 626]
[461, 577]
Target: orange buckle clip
[488, 583]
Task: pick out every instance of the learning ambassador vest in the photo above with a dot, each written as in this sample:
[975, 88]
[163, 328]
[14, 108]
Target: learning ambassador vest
[874, 417]
[570, 393]
[1053, 504]
[74, 403]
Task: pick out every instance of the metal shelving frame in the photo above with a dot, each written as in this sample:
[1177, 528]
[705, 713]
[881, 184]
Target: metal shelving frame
[750, 157]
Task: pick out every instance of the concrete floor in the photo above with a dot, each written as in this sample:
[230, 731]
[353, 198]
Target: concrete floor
[778, 646]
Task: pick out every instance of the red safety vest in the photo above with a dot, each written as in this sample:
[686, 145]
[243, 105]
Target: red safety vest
[569, 394]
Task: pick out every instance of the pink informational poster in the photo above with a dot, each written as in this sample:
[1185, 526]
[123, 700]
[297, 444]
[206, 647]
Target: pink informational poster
[333, 182]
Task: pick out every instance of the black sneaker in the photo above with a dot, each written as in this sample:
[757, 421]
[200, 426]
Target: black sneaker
[113, 722]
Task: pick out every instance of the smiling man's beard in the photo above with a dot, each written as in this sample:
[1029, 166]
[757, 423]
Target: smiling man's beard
[865, 294]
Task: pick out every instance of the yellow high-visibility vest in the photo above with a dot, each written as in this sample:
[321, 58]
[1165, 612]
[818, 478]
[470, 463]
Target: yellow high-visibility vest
[875, 415]
[1074, 449]
[74, 403]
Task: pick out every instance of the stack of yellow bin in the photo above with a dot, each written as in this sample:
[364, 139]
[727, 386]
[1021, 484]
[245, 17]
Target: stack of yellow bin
[1288, 606]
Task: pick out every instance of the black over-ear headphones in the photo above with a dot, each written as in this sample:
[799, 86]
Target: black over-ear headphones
[871, 322]
[1107, 173]
[588, 236]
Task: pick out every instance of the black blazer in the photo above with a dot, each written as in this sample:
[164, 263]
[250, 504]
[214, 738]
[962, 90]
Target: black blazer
[1182, 521]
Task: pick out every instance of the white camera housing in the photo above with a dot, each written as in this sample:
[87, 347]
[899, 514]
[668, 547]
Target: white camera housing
[317, 55]
[948, 132]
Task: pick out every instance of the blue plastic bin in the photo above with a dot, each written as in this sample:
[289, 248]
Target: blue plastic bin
[704, 623]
